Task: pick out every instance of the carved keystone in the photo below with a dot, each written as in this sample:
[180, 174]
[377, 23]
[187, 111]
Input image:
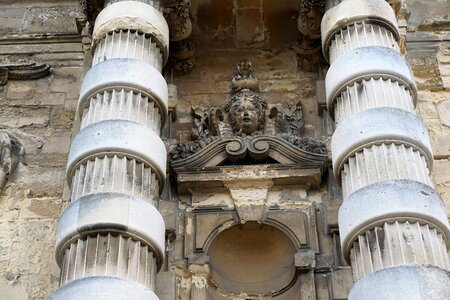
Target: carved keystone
[250, 200]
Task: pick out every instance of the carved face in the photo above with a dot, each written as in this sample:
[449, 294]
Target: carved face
[246, 114]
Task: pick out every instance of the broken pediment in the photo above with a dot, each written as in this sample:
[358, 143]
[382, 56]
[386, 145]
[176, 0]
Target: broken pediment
[247, 133]
[238, 150]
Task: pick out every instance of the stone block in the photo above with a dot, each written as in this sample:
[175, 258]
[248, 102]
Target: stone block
[444, 112]
[440, 142]
[58, 142]
[41, 208]
[53, 19]
[168, 210]
[12, 289]
[283, 85]
[342, 283]
[280, 20]
[444, 191]
[66, 80]
[23, 90]
[305, 259]
[442, 172]
[11, 19]
[42, 182]
[203, 87]
[166, 285]
[28, 121]
[248, 3]
[426, 96]
[220, 28]
[53, 99]
[428, 110]
[62, 117]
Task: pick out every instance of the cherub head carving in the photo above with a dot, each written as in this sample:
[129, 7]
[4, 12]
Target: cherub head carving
[246, 112]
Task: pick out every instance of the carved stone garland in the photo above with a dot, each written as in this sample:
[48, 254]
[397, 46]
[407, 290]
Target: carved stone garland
[246, 126]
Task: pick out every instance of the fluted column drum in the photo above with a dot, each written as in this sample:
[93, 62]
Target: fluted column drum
[391, 216]
[110, 241]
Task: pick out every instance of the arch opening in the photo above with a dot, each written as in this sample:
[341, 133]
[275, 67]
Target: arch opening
[252, 258]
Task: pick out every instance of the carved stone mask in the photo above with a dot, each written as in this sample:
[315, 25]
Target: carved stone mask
[247, 113]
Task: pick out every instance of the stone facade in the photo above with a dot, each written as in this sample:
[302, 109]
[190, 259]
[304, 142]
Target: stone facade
[247, 212]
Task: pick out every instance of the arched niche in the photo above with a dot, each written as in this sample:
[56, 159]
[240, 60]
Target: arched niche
[252, 258]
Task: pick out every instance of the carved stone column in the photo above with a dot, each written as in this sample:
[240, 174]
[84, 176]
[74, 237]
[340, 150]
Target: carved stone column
[393, 225]
[199, 284]
[110, 241]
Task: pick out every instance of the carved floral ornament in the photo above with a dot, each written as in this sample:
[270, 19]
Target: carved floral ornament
[247, 129]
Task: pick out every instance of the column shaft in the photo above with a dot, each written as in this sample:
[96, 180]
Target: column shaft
[391, 216]
[112, 234]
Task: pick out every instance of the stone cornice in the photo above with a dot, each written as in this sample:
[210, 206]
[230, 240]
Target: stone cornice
[260, 147]
[206, 167]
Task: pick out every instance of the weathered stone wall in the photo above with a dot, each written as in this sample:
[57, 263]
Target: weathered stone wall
[40, 114]
[428, 50]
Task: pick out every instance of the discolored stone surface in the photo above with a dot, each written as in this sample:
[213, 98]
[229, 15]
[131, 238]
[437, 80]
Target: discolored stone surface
[41, 114]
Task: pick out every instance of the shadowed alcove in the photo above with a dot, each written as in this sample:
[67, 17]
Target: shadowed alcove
[252, 258]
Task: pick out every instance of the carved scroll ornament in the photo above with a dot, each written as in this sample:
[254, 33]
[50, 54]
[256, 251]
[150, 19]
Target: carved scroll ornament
[23, 71]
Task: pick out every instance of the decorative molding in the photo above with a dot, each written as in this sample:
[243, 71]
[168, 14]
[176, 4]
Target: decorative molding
[310, 17]
[246, 128]
[10, 153]
[23, 71]
[309, 45]
[178, 18]
[182, 56]
[182, 51]
[258, 148]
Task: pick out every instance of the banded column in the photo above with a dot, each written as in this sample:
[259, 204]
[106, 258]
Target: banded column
[393, 225]
[110, 242]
